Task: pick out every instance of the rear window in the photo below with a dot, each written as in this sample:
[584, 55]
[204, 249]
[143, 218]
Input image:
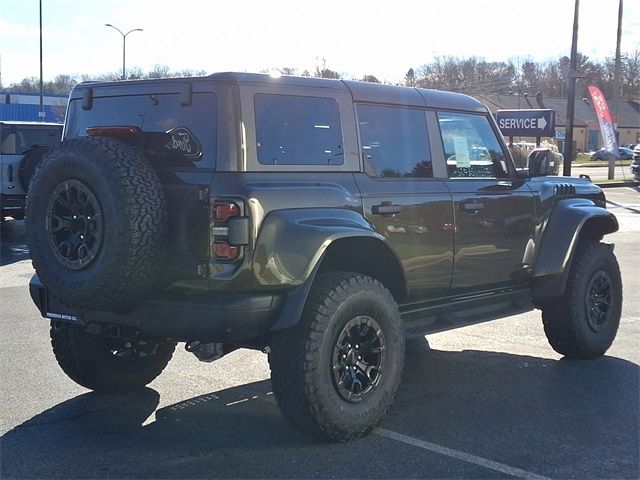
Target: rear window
[17, 140]
[191, 129]
[295, 130]
[106, 111]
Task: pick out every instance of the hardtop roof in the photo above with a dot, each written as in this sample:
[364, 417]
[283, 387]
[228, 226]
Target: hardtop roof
[361, 91]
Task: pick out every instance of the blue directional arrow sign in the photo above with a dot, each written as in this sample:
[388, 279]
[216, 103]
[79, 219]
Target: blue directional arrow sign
[527, 123]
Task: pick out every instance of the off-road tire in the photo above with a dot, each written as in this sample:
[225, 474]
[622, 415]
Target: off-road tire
[28, 165]
[301, 358]
[88, 361]
[133, 230]
[566, 320]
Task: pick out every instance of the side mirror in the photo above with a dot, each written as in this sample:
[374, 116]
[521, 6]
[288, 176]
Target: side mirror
[541, 162]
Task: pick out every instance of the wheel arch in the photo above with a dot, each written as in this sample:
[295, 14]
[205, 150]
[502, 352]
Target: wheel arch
[354, 254]
[570, 221]
[306, 242]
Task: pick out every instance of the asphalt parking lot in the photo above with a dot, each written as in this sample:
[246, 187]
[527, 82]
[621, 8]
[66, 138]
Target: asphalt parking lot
[487, 401]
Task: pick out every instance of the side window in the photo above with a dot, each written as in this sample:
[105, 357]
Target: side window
[296, 130]
[471, 147]
[32, 136]
[394, 141]
[9, 142]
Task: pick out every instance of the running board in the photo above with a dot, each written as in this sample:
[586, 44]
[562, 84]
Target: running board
[432, 317]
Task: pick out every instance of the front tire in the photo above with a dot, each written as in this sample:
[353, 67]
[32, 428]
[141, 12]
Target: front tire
[336, 372]
[584, 321]
[107, 365]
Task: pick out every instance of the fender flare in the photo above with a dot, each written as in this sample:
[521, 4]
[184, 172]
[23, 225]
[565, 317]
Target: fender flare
[291, 246]
[570, 220]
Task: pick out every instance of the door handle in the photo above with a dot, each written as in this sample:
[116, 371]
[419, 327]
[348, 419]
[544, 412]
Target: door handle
[472, 207]
[386, 209]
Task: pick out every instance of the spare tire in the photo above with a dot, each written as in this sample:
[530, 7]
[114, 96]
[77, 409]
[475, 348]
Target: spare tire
[96, 223]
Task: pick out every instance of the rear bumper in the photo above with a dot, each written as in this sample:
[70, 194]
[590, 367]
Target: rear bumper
[12, 204]
[219, 317]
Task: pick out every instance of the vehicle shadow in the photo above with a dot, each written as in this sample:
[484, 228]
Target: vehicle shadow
[13, 247]
[563, 419]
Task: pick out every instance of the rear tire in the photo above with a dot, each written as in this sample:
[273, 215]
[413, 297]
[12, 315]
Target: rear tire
[104, 364]
[336, 372]
[584, 321]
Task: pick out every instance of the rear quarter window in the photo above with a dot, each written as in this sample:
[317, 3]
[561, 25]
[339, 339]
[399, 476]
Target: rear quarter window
[297, 130]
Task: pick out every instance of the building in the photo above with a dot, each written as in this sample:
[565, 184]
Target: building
[26, 107]
[586, 128]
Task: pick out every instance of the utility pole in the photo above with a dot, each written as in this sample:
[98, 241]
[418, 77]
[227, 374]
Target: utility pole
[616, 88]
[571, 95]
[41, 112]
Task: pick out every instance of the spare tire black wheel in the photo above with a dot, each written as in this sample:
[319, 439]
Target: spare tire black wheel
[96, 223]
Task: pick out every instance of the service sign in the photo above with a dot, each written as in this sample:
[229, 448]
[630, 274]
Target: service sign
[527, 123]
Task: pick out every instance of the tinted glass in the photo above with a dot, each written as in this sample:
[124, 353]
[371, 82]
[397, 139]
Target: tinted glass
[155, 114]
[17, 140]
[394, 141]
[109, 111]
[471, 146]
[197, 123]
[293, 130]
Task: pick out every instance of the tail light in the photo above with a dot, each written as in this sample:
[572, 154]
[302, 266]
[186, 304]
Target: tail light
[223, 211]
[229, 230]
[224, 251]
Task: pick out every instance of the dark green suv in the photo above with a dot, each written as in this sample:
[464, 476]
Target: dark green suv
[320, 221]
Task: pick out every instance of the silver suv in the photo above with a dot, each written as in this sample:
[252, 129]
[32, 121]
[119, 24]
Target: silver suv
[22, 145]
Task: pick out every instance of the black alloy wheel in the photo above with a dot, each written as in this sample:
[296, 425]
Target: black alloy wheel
[358, 358]
[75, 225]
[336, 372]
[598, 300]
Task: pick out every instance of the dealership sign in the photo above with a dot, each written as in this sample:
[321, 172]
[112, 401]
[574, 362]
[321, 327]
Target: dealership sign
[527, 123]
[605, 119]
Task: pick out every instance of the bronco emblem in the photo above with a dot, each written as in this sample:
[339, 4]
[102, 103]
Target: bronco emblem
[183, 142]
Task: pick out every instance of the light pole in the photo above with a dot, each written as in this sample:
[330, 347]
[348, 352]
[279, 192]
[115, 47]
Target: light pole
[124, 44]
[571, 95]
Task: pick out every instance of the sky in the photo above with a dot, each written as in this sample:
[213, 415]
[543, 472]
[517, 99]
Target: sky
[355, 37]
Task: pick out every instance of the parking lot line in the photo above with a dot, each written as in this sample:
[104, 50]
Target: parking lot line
[465, 457]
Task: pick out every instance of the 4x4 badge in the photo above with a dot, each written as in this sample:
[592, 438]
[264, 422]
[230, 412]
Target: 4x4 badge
[182, 141]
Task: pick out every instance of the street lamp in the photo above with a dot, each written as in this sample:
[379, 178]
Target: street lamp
[124, 44]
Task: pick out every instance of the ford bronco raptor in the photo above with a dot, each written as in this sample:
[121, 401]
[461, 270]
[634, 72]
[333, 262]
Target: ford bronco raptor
[320, 221]
[22, 146]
